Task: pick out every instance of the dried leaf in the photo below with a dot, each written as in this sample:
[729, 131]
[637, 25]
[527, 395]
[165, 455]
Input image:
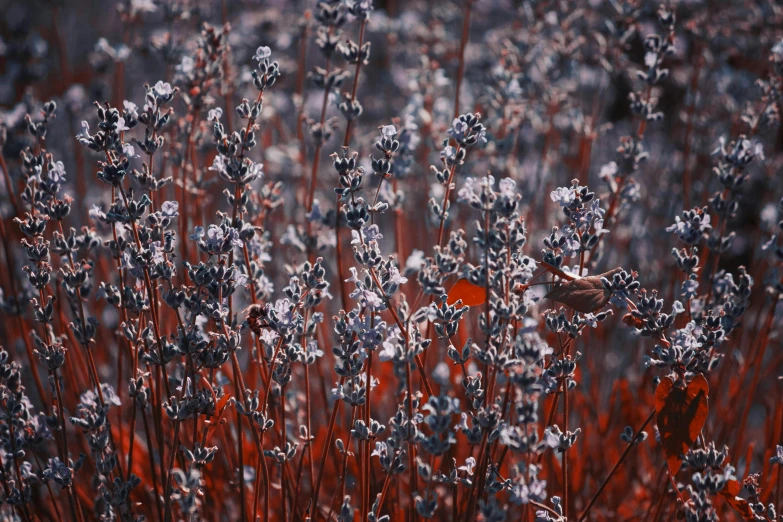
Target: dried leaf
[585, 295]
[730, 492]
[470, 294]
[681, 415]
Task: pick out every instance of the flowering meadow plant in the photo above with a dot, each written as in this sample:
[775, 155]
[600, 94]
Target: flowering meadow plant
[398, 260]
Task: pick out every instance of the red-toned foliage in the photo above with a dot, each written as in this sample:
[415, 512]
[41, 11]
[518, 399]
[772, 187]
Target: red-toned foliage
[468, 293]
[681, 414]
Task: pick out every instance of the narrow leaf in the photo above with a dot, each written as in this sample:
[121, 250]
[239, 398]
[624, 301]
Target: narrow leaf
[220, 407]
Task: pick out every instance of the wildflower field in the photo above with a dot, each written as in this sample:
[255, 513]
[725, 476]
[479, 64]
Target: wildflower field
[391, 260]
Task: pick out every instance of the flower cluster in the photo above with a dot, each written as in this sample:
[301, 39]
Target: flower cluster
[378, 261]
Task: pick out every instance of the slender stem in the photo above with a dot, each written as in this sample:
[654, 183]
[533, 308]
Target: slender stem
[308, 413]
[419, 363]
[346, 453]
[282, 437]
[590, 504]
[10, 266]
[327, 446]
[446, 197]
[565, 451]
[9, 185]
[462, 44]
[174, 449]
[151, 458]
[20, 482]
[4, 474]
[694, 87]
[757, 364]
[355, 86]
[544, 507]
[366, 461]
[482, 471]
[346, 142]
[317, 154]
[385, 488]
[617, 194]
[63, 440]
[412, 473]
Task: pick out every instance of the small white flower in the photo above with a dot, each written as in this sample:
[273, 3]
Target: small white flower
[163, 89]
[130, 108]
[441, 373]
[218, 164]
[142, 6]
[608, 171]
[470, 464]
[448, 152]
[187, 65]
[368, 234]
[414, 262]
[269, 337]
[76, 97]
[758, 151]
[123, 52]
[467, 193]
[169, 208]
[388, 131]
[256, 170]
[507, 186]
[96, 213]
[129, 151]
[57, 172]
[354, 276]
[84, 135]
[215, 114]
[437, 191]
[118, 54]
[316, 215]
[563, 195]
[396, 277]
[263, 53]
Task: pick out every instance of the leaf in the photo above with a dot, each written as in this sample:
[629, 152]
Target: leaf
[220, 407]
[681, 415]
[730, 492]
[585, 295]
[222, 403]
[470, 294]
